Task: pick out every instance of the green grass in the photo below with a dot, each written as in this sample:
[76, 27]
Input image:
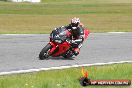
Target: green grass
[98, 16]
[67, 78]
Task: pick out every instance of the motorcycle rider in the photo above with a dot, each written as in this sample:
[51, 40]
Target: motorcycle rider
[77, 31]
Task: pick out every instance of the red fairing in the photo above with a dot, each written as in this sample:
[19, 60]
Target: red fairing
[62, 48]
[86, 33]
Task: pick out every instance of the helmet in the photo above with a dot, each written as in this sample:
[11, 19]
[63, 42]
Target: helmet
[75, 22]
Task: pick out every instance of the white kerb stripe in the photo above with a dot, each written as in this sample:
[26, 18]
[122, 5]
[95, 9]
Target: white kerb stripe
[61, 67]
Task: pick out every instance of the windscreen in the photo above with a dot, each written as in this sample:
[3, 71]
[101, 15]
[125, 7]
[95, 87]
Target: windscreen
[59, 34]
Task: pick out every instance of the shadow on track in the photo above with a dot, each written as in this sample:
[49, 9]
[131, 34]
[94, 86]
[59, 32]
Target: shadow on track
[58, 58]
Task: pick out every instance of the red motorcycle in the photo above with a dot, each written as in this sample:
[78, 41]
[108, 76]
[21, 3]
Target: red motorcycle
[59, 44]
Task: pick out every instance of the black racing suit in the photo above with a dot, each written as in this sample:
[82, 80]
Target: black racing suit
[77, 36]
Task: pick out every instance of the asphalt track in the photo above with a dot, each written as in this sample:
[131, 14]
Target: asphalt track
[20, 52]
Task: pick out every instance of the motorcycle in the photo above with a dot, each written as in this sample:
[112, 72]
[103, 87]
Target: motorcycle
[59, 44]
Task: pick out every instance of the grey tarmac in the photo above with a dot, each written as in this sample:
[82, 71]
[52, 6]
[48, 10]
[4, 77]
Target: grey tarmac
[20, 52]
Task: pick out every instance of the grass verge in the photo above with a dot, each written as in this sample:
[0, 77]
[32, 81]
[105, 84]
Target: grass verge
[98, 16]
[67, 78]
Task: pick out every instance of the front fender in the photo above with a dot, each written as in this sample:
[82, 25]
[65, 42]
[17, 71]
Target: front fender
[54, 46]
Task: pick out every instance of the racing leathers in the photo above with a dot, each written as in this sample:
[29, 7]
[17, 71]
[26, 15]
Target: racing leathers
[76, 38]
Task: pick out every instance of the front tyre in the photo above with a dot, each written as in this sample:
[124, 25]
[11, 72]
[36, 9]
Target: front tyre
[45, 52]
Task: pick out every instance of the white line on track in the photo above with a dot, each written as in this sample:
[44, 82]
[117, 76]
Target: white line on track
[20, 34]
[61, 67]
[42, 34]
[116, 32]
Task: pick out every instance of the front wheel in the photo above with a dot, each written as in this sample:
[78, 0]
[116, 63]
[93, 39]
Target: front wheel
[45, 52]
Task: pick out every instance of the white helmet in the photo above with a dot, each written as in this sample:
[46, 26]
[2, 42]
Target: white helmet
[75, 22]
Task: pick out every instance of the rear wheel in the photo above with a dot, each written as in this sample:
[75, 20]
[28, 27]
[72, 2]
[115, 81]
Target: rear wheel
[45, 52]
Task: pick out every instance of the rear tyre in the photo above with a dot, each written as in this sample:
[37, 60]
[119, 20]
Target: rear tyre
[45, 52]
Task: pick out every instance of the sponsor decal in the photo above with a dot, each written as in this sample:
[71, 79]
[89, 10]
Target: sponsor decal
[86, 81]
